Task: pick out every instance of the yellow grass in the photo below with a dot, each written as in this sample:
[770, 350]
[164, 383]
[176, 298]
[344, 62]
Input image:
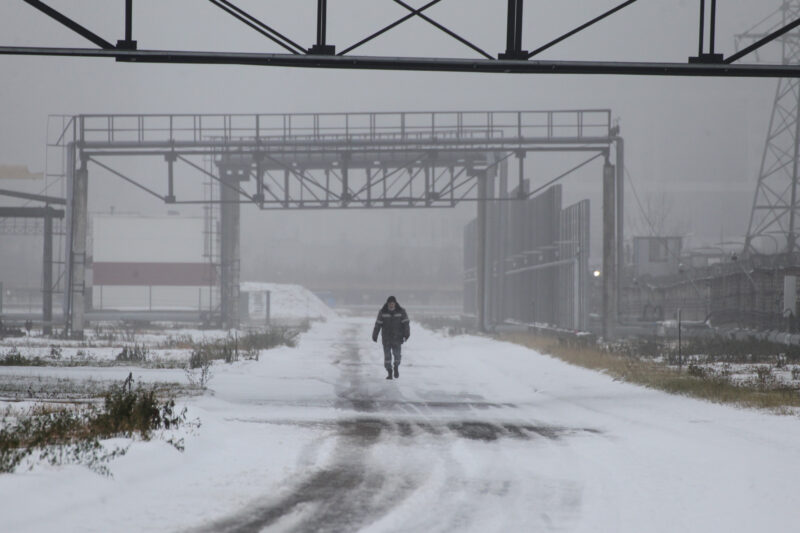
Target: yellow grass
[660, 376]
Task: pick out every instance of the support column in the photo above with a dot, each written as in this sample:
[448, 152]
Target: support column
[345, 179]
[609, 270]
[620, 238]
[480, 265]
[503, 243]
[170, 158]
[369, 186]
[427, 194]
[514, 32]
[521, 173]
[77, 253]
[320, 47]
[258, 159]
[230, 177]
[492, 243]
[128, 43]
[47, 274]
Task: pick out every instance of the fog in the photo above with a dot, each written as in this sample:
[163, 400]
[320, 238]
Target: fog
[693, 145]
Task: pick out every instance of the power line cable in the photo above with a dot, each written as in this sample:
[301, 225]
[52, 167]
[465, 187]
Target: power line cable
[639, 203]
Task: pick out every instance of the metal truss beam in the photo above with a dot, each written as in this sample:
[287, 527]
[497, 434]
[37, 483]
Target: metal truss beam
[389, 159]
[496, 66]
[69, 23]
[513, 60]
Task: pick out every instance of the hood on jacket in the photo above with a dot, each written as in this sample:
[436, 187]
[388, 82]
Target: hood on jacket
[397, 306]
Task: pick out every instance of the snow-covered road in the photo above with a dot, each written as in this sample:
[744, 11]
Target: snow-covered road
[476, 435]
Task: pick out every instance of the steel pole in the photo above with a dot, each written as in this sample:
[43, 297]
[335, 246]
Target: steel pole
[229, 246]
[47, 275]
[480, 266]
[503, 245]
[609, 270]
[620, 206]
[80, 215]
[792, 237]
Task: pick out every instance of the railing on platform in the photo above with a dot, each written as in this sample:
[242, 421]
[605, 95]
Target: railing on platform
[366, 127]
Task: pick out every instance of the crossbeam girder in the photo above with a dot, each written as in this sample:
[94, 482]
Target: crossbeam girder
[514, 59]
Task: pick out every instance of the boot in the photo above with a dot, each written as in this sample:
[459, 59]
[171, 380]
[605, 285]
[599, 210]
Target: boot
[396, 373]
[389, 371]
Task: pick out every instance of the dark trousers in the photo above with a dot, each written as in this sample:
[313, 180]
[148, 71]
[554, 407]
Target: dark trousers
[388, 351]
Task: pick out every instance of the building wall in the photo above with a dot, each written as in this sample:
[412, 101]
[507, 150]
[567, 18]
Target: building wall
[656, 256]
[146, 263]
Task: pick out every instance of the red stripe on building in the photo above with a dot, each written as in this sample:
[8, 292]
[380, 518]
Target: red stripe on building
[151, 274]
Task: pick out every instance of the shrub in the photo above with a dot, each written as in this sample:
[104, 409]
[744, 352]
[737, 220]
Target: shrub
[14, 358]
[763, 376]
[696, 370]
[198, 370]
[272, 337]
[55, 352]
[137, 353]
[70, 435]
[129, 411]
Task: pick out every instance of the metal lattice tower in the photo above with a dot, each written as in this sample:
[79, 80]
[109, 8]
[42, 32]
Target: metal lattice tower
[776, 204]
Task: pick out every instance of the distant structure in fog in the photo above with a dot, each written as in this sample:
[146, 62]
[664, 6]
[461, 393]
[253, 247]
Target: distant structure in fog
[151, 263]
[773, 220]
[656, 256]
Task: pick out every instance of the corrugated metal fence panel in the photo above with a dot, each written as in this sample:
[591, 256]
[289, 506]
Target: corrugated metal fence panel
[574, 244]
[470, 261]
[538, 257]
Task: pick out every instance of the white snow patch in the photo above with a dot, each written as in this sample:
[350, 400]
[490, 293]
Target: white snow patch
[291, 301]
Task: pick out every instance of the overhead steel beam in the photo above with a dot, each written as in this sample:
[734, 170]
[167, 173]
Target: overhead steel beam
[34, 197]
[724, 70]
[30, 212]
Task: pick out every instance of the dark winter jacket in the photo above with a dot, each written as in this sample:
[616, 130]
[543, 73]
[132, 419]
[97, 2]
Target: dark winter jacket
[393, 325]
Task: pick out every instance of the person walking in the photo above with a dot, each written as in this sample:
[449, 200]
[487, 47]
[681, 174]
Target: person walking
[393, 325]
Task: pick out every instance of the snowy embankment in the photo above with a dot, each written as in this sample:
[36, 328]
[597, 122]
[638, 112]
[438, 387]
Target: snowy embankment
[291, 302]
[476, 435]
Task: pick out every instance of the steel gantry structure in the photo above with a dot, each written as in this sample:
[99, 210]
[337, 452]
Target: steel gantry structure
[46, 214]
[329, 161]
[512, 59]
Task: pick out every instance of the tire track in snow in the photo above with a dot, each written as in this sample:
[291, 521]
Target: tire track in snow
[353, 490]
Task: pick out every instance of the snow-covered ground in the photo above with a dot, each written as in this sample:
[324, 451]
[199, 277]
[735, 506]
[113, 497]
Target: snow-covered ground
[475, 435]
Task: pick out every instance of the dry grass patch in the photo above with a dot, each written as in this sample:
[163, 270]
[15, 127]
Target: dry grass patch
[691, 381]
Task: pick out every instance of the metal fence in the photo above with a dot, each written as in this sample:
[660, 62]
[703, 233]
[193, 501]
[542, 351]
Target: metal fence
[537, 261]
